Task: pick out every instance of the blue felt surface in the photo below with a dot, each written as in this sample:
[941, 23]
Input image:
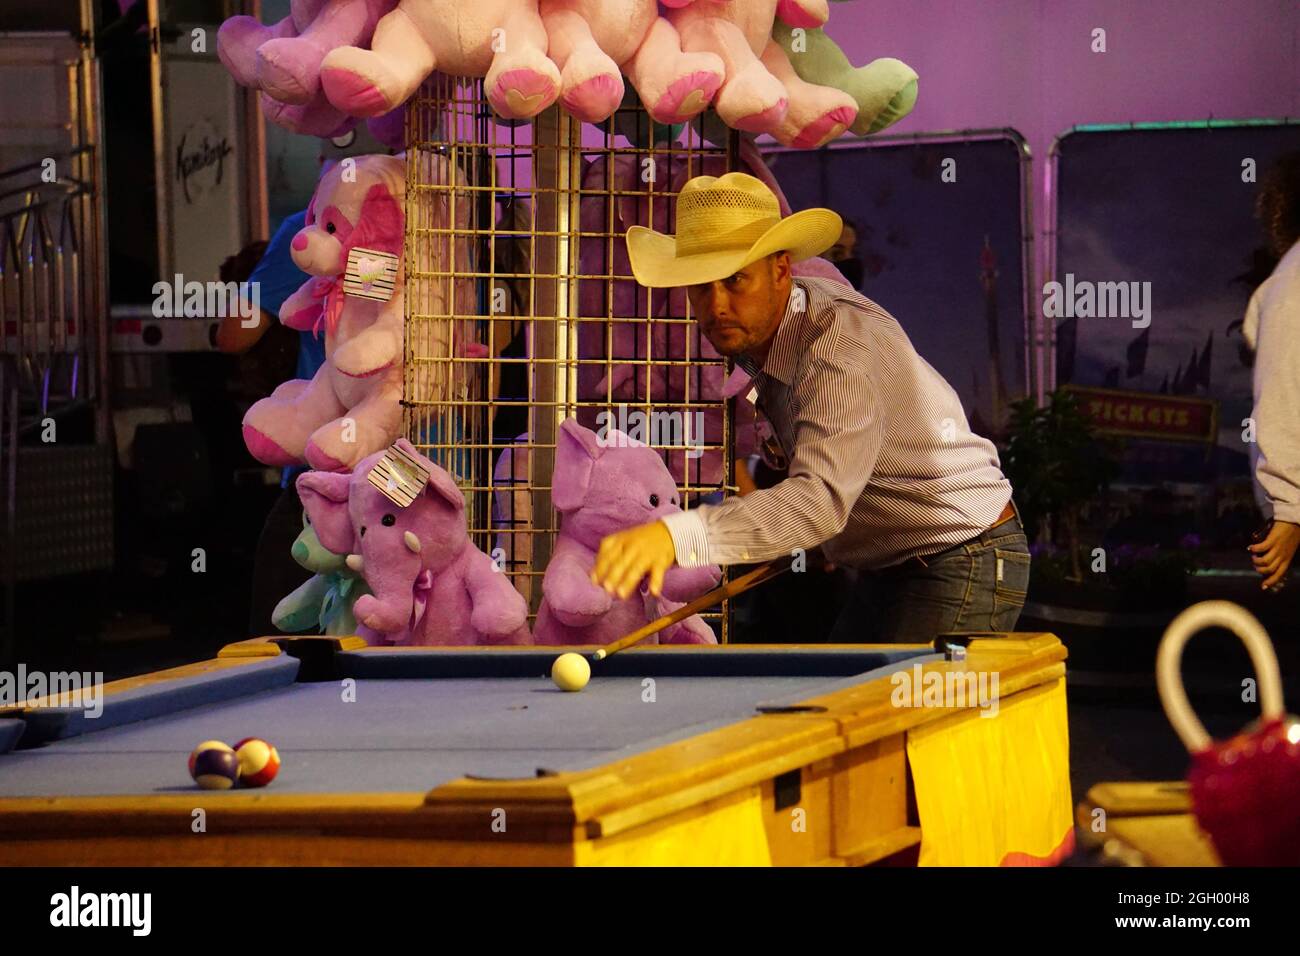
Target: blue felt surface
[410, 735]
[161, 699]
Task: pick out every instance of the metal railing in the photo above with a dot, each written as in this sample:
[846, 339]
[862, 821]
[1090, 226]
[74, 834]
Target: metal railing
[52, 289]
[53, 346]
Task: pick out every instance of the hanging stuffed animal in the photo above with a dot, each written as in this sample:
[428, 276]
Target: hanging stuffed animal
[283, 60]
[885, 89]
[352, 244]
[594, 42]
[502, 41]
[323, 603]
[762, 92]
[401, 521]
[604, 484]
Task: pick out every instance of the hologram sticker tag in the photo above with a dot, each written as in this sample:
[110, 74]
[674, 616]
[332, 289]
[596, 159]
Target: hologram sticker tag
[371, 274]
[399, 476]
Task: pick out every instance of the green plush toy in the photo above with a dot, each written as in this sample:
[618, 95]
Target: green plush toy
[885, 89]
[324, 602]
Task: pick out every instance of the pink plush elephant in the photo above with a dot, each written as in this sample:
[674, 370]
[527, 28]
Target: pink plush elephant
[762, 92]
[351, 408]
[284, 60]
[503, 41]
[431, 585]
[604, 484]
[594, 42]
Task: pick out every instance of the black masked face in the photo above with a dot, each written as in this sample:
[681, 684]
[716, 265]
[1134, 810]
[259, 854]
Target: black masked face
[852, 270]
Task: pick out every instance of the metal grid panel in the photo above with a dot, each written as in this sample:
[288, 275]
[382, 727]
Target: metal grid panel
[64, 512]
[522, 310]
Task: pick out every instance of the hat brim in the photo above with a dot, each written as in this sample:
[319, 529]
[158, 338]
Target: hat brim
[656, 265]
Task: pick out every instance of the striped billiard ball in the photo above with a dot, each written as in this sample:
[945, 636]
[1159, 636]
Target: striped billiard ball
[259, 762]
[214, 765]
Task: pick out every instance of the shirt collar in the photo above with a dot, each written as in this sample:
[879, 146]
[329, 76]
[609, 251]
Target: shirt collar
[783, 356]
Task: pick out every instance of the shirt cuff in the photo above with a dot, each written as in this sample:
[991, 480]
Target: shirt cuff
[1281, 512]
[690, 538]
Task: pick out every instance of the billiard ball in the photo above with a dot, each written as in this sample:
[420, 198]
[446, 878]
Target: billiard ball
[259, 762]
[214, 765]
[571, 672]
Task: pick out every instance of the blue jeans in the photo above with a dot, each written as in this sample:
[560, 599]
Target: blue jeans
[976, 586]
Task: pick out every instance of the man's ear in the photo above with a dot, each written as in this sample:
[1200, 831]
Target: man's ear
[782, 267]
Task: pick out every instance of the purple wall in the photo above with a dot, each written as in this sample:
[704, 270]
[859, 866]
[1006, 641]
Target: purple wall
[1028, 63]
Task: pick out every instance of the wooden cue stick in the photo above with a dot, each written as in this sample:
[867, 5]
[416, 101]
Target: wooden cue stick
[731, 589]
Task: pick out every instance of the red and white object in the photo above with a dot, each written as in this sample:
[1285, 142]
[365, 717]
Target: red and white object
[259, 762]
[1245, 791]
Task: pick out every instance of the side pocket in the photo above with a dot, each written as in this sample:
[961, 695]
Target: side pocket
[1010, 585]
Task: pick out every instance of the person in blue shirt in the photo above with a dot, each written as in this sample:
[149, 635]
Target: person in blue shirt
[275, 573]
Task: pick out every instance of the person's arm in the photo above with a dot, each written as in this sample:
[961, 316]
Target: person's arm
[274, 280]
[1276, 322]
[838, 434]
[236, 335]
[1277, 426]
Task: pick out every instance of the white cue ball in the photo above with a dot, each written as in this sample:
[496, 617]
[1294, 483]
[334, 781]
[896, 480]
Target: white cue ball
[571, 672]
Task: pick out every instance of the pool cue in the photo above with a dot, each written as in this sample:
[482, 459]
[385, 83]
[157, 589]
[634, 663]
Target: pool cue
[740, 585]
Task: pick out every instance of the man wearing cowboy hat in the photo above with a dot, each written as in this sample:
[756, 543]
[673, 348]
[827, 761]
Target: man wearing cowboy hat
[884, 472]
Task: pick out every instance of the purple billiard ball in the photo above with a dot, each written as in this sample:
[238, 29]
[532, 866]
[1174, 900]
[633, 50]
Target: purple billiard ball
[214, 766]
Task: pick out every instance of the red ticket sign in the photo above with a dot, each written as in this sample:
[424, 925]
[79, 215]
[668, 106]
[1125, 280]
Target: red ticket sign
[1147, 415]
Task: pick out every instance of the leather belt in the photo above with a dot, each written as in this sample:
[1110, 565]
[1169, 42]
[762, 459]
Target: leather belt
[1007, 514]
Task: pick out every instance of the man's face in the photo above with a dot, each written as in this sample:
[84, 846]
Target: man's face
[741, 312]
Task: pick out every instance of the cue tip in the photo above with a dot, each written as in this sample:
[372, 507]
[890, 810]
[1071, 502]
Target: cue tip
[599, 655]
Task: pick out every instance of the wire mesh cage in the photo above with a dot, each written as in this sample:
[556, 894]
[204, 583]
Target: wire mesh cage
[522, 309]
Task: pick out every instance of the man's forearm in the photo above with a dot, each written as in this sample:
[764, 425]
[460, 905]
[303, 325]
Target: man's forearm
[799, 512]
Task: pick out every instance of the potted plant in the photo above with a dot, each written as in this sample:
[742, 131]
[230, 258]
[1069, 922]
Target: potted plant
[1056, 464]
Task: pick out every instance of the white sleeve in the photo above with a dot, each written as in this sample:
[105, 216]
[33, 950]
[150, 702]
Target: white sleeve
[1276, 317]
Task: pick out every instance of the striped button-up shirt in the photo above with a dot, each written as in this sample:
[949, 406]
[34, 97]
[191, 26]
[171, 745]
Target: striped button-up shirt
[882, 463]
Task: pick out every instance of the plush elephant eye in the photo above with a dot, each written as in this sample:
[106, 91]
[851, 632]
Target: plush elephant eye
[389, 520]
[331, 228]
[363, 531]
[654, 501]
[306, 518]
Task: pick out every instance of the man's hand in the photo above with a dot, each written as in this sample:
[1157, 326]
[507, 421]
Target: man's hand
[628, 556]
[1272, 556]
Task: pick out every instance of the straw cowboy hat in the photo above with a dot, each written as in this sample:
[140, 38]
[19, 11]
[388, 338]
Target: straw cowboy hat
[724, 224]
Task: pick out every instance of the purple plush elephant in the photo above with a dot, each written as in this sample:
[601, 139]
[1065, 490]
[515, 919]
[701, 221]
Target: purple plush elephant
[604, 484]
[431, 585]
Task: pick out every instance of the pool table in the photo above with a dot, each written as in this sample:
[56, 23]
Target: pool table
[730, 755]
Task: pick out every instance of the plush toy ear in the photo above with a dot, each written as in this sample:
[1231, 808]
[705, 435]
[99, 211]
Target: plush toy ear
[310, 218]
[576, 451]
[381, 225]
[440, 483]
[324, 497]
